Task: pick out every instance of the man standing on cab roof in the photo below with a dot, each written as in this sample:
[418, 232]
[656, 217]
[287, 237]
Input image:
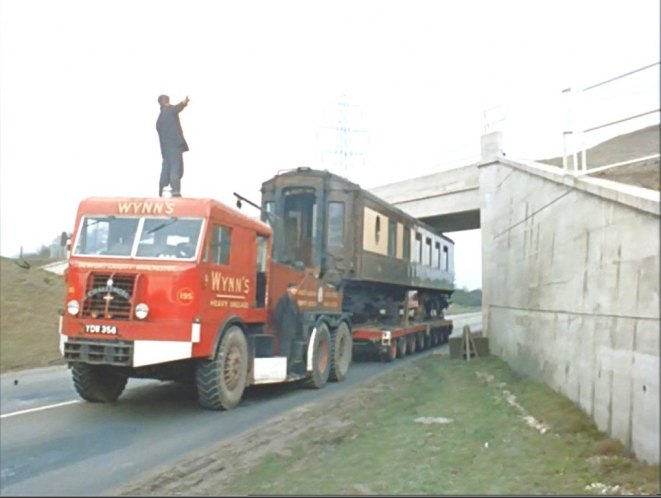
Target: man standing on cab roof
[173, 145]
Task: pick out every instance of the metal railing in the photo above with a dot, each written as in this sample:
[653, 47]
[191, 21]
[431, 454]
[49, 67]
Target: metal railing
[577, 133]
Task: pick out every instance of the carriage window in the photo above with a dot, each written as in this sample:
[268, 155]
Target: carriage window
[221, 239]
[427, 255]
[446, 259]
[392, 238]
[437, 255]
[407, 244]
[300, 226]
[417, 249]
[335, 233]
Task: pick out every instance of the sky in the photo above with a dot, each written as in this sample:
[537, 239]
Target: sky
[271, 82]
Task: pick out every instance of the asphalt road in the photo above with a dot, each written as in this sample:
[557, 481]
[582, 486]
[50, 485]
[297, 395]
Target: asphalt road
[54, 444]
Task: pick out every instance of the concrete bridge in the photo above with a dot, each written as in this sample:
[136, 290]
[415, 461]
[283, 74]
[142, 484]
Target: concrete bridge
[570, 279]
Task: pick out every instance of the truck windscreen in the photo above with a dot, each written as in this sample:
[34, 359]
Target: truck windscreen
[157, 237]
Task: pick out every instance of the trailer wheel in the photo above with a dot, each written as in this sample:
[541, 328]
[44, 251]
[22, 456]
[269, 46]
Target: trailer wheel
[390, 353]
[420, 341]
[321, 357]
[401, 347]
[222, 380]
[98, 383]
[410, 344]
[427, 340]
[341, 351]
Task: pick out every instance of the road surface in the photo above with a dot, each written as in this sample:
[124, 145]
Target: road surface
[54, 444]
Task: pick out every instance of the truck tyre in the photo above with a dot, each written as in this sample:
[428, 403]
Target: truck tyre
[321, 354]
[341, 351]
[401, 347]
[222, 380]
[98, 383]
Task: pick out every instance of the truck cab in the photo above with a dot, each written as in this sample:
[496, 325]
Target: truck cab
[184, 289]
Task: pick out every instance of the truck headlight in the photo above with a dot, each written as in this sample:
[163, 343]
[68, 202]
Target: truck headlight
[141, 311]
[73, 307]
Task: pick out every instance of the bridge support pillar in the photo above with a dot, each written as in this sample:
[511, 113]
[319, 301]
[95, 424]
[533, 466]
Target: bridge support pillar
[492, 145]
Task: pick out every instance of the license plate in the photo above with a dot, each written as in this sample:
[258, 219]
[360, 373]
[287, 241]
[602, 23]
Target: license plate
[101, 329]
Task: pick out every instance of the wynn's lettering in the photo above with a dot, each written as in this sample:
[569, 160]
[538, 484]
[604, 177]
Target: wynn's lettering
[223, 283]
[145, 207]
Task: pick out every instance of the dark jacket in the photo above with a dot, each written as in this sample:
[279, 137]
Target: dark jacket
[169, 129]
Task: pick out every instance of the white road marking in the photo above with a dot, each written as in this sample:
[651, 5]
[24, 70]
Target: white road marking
[39, 408]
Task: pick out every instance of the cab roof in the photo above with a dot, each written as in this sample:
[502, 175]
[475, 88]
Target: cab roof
[168, 207]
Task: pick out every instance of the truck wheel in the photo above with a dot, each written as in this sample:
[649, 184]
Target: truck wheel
[98, 383]
[401, 347]
[321, 354]
[222, 380]
[341, 351]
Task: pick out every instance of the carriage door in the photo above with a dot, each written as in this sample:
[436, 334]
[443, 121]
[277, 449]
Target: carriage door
[339, 236]
[300, 227]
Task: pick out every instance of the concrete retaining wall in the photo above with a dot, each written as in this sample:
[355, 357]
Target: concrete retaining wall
[571, 293]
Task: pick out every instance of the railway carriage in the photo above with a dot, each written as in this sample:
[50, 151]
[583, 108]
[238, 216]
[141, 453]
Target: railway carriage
[375, 252]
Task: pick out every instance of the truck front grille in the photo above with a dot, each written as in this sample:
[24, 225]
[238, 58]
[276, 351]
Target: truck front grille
[109, 296]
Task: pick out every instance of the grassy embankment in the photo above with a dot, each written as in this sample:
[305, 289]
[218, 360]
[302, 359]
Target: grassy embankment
[29, 300]
[505, 435]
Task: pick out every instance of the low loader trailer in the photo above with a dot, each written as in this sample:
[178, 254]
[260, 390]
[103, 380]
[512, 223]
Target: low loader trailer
[397, 341]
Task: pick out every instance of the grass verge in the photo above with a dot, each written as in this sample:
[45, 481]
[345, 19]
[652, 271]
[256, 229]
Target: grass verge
[488, 448]
[436, 426]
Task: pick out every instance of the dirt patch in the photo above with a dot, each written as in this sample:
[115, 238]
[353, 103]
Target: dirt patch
[206, 472]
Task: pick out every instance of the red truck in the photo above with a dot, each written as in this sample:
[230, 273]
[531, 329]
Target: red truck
[185, 289]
